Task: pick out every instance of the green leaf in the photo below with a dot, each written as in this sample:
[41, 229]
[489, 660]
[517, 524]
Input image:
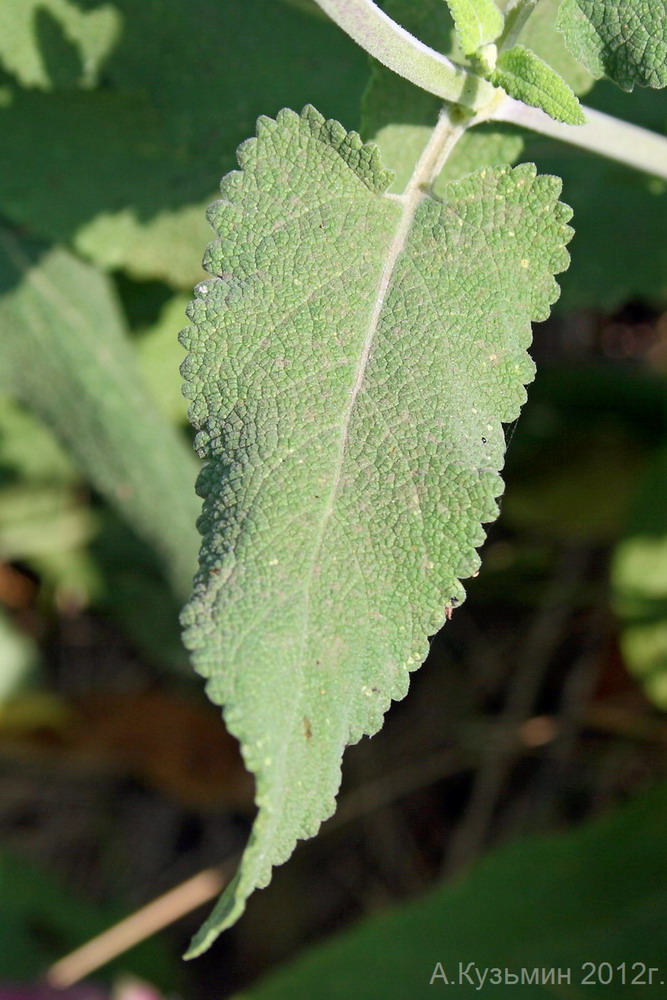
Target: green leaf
[477, 23]
[28, 450]
[542, 903]
[542, 36]
[39, 37]
[164, 132]
[624, 39]
[307, 7]
[639, 582]
[39, 522]
[528, 78]
[64, 352]
[350, 364]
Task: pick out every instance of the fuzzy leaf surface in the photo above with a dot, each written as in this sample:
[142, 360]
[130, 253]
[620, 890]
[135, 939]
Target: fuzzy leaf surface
[477, 22]
[528, 78]
[625, 40]
[350, 364]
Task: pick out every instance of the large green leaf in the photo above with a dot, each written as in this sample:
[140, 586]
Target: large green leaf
[553, 903]
[160, 355]
[350, 364]
[64, 352]
[183, 86]
[624, 39]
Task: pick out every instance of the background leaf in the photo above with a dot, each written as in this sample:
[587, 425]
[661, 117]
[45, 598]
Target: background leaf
[550, 902]
[41, 922]
[61, 313]
[184, 83]
[639, 580]
[46, 43]
[624, 39]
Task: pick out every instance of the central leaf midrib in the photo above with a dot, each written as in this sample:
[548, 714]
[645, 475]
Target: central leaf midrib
[427, 168]
[444, 137]
[411, 201]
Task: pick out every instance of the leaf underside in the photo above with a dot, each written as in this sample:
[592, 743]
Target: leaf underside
[350, 366]
[623, 39]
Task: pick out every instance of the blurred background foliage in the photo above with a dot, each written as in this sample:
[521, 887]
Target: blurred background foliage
[540, 705]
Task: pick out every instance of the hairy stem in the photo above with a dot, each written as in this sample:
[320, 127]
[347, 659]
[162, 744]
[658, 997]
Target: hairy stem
[617, 140]
[401, 52]
[450, 127]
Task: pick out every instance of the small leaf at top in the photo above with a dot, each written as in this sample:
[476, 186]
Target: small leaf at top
[351, 361]
[477, 23]
[399, 116]
[529, 79]
[625, 40]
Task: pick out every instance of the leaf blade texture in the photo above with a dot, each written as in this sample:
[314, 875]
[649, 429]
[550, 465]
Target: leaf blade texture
[350, 364]
[477, 22]
[625, 40]
[528, 78]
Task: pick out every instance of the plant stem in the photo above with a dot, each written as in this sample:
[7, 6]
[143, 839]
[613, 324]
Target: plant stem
[447, 132]
[517, 13]
[150, 919]
[401, 52]
[617, 140]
